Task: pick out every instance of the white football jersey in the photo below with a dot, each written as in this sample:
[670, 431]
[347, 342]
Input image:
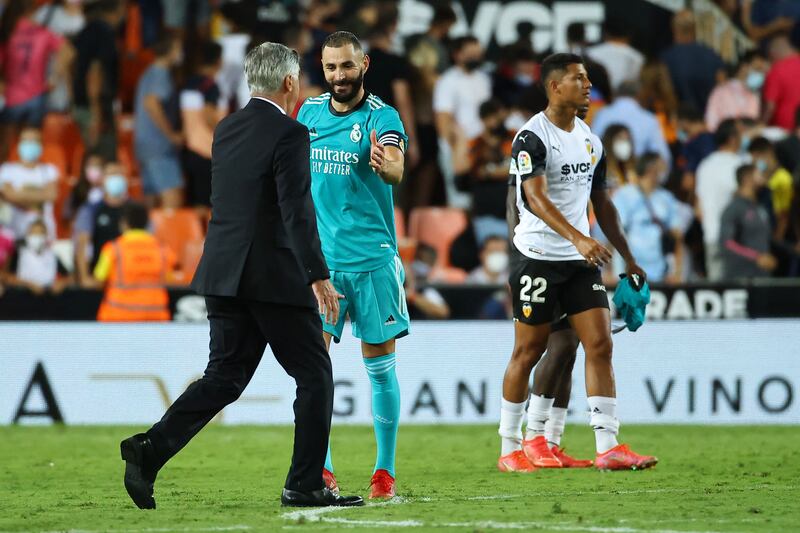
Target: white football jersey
[574, 164]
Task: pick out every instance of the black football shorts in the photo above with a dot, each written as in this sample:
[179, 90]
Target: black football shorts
[545, 291]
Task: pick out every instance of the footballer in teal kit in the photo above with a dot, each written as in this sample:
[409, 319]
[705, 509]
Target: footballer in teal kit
[357, 146]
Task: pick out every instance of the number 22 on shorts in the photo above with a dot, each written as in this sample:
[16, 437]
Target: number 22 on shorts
[526, 296]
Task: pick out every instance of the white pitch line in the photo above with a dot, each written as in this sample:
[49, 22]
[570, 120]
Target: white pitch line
[317, 514]
[147, 530]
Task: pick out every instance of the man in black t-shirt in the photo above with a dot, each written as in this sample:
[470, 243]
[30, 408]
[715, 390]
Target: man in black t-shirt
[97, 75]
[389, 79]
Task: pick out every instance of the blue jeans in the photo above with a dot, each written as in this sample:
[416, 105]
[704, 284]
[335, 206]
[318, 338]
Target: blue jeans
[30, 113]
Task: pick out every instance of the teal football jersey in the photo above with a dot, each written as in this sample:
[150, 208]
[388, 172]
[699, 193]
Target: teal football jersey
[355, 211]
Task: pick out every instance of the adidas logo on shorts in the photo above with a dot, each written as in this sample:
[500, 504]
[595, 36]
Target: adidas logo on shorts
[390, 321]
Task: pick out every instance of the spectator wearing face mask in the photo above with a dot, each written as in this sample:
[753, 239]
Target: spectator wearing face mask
[494, 262]
[745, 235]
[482, 170]
[35, 265]
[29, 185]
[421, 297]
[620, 162]
[740, 94]
[653, 221]
[457, 98]
[643, 124]
[97, 224]
[778, 180]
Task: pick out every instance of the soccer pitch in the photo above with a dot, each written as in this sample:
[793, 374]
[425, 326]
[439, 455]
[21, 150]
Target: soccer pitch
[229, 479]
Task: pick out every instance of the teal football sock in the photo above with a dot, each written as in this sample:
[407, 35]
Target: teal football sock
[385, 408]
[328, 460]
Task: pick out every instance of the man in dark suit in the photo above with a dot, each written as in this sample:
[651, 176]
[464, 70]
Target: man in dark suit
[264, 277]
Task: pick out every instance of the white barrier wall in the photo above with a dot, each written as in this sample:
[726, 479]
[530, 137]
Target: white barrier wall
[450, 372]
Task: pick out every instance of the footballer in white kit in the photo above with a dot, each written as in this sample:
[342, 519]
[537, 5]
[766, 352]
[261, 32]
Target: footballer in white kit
[557, 165]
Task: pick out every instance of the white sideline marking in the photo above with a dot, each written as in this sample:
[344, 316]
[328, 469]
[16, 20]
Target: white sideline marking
[316, 514]
[148, 530]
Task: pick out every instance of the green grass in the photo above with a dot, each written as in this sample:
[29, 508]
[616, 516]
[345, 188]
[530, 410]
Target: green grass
[709, 479]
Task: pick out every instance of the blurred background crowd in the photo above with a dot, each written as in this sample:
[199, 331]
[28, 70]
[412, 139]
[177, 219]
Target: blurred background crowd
[109, 102]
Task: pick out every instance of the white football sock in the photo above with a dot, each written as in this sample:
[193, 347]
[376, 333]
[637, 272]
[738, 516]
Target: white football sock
[511, 426]
[604, 421]
[554, 427]
[538, 413]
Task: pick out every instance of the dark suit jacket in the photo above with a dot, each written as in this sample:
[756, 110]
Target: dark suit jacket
[262, 241]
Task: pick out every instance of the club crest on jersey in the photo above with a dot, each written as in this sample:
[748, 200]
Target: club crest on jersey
[527, 309]
[355, 133]
[590, 150]
[524, 163]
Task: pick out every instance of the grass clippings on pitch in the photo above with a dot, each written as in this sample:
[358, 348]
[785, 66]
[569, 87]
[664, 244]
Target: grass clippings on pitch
[229, 479]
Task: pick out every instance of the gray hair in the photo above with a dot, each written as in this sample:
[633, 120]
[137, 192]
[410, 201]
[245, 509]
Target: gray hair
[267, 65]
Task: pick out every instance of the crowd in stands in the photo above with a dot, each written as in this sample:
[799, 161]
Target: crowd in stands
[105, 102]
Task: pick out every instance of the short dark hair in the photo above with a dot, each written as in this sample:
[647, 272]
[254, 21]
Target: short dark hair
[493, 237]
[743, 172]
[39, 223]
[490, 107]
[135, 215]
[760, 145]
[210, 53]
[647, 160]
[443, 13]
[727, 130]
[102, 7]
[163, 45]
[616, 27]
[576, 32]
[558, 62]
[461, 42]
[689, 113]
[338, 39]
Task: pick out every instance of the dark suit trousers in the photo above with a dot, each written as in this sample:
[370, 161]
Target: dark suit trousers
[240, 331]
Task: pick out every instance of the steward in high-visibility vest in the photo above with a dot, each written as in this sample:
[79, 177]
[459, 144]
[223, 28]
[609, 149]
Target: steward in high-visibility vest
[134, 267]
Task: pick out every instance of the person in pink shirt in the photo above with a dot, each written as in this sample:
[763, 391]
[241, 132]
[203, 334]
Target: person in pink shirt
[781, 94]
[740, 95]
[25, 51]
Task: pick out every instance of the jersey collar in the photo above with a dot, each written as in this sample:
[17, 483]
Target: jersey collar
[345, 113]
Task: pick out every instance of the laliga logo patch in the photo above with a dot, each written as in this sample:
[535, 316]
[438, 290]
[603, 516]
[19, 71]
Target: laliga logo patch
[355, 133]
[524, 163]
[527, 310]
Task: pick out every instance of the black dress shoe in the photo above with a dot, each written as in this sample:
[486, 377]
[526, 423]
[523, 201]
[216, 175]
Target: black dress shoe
[140, 473]
[318, 498]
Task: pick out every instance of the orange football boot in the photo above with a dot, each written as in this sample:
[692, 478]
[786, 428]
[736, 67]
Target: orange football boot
[381, 486]
[515, 462]
[568, 461]
[539, 454]
[621, 457]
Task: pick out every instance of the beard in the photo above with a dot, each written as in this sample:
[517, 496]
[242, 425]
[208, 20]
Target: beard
[354, 86]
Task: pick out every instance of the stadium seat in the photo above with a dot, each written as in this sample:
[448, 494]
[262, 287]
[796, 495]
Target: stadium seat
[437, 227]
[176, 227]
[61, 130]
